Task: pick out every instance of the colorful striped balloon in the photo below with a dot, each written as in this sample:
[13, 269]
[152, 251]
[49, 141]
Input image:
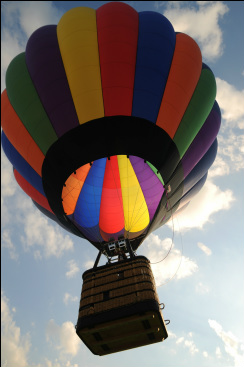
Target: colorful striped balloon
[110, 121]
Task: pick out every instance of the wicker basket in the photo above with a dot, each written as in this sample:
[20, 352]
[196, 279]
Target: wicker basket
[119, 307]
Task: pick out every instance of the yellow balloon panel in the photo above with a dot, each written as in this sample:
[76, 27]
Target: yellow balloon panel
[77, 36]
[136, 213]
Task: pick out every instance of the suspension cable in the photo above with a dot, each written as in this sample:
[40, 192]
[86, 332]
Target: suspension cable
[167, 281]
[173, 233]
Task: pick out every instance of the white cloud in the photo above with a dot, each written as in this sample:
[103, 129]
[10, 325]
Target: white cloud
[208, 201]
[73, 269]
[63, 338]
[202, 288]
[220, 167]
[218, 352]
[231, 103]
[14, 346]
[44, 239]
[174, 265]
[8, 184]
[59, 363]
[191, 346]
[231, 137]
[201, 23]
[8, 244]
[171, 334]
[31, 15]
[39, 235]
[231, 148]
[204, 248]
[180, 340]
[232, 345]
[187, 343]
[89, 264]
[68, 298]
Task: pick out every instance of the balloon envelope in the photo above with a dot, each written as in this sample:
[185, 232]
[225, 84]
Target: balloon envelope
[110, 121]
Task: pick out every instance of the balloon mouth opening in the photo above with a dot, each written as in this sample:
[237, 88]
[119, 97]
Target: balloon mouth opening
[113, 197]
[95, 143]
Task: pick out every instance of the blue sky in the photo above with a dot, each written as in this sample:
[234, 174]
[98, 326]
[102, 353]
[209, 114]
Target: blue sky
[42, 265]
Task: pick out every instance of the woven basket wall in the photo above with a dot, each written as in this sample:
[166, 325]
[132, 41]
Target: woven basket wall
[117, 285]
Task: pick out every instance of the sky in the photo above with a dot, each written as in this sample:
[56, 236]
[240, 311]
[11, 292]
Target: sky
[200, 282]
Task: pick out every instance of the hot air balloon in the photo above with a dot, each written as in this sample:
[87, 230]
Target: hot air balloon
[110, 122]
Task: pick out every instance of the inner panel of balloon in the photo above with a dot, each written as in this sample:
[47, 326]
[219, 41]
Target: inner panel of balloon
[113, 197]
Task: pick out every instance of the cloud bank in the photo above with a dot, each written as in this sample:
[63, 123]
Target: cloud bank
[174, 264]
[233, 346]
[204, 248]
[231, 136]
[201, 22]
[231, 103]
[63, 337]
[6, 242]
[14, 345]
[69, 298]
[200, 210]
[73, 269]
[38, 234]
